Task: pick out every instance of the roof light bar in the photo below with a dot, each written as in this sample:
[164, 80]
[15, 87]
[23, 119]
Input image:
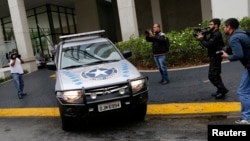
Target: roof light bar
[81, 34]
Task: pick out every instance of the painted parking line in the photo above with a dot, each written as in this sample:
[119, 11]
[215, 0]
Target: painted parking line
[153, 109]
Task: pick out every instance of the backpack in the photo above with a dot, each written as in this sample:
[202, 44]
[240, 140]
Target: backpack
[167, 44]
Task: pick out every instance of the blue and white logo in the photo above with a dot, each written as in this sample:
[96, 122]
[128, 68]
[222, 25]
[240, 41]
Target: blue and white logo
[99, 73]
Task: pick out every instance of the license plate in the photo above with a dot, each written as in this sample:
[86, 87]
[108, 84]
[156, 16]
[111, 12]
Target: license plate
[109, 106]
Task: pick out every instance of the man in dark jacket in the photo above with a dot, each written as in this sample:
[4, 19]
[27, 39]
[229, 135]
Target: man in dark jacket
[214, 43]
[159, 50]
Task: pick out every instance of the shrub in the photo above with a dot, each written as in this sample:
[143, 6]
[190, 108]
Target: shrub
[184, 50]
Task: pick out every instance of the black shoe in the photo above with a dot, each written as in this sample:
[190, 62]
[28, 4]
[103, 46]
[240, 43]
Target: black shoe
[20, 96]
[24, 94]
[214, 94]
[161, 81]
[165, 82]
[224, 92]
[220, 96]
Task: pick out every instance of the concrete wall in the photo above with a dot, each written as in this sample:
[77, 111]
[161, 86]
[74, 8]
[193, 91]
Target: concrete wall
[144, 15]
[230, 8]
[206, 9]
[87, 15]
[128, 19]
[179, 14]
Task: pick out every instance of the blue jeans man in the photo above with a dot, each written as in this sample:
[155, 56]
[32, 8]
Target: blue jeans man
[160, 61]
[19, 83]
[243, 93]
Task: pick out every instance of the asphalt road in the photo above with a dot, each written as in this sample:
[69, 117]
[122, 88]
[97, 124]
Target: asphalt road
[186, 86]
[21, 119]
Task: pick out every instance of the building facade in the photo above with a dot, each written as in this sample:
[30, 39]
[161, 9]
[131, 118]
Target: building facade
[35, 26]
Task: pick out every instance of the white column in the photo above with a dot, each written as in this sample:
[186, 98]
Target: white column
[22, 35]
[1, 34]
[234, 8]
[128, 20]
[156, 11]
[206, 10]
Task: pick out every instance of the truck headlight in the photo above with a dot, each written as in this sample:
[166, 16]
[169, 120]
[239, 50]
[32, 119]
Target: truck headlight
[71, 96]
[137, 85]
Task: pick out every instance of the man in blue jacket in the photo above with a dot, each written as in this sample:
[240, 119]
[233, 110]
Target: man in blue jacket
[159, 50]
[239, 42]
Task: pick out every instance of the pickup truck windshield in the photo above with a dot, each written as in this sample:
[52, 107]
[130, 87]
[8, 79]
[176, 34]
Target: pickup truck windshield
[88, 54]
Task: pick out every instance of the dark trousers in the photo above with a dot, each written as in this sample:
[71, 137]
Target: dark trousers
[214, 74]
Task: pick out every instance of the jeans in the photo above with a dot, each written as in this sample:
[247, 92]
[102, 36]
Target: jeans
[18, 82]
[161, 65]
[243, 92]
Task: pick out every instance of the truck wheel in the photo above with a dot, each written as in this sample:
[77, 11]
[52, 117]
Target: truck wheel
[140, 112]
[67, 124]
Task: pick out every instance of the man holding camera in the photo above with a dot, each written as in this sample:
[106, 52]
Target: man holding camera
[239, 42]
[17, 72]
[159, 49]
[213, 41]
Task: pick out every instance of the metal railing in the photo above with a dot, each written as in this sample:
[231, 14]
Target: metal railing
[5, 48]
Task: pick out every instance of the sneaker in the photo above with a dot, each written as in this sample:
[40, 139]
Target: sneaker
[20, 96]
[214, 94]
[220, 96]
[165, 82]
[242, 121]
[161, 81]
[24, 94]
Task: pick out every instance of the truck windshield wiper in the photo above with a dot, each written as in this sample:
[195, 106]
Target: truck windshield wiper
[73, 66]
[102, 61]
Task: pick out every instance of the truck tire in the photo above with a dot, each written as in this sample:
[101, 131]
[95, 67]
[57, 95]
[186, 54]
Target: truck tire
[140, 112]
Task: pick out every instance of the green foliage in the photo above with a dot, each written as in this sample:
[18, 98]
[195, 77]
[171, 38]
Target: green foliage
[5, 79]
[10, 77]
[184, 50]
[141, 50]
[245, 23]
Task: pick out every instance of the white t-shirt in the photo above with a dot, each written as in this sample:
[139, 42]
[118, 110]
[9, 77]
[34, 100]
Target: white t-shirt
[17, 68]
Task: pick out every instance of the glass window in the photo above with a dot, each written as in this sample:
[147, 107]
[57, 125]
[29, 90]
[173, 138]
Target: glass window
[53, 8]
[6, 20]
[61, 9]
[32, 22]
[41, 9]
[69, 11]
[64, 23]
[71, 24]
[56, 22]
[30, 13]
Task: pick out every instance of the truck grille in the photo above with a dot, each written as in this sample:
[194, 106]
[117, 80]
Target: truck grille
[106, 93]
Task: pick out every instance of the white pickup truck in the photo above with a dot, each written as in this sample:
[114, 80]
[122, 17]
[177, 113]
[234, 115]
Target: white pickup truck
[93, 77]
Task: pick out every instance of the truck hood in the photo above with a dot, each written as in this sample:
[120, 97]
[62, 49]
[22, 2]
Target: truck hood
[96, 75]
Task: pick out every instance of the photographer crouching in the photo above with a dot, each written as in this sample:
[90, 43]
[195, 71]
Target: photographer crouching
[160, 44]
[16, 70]
[213, 41]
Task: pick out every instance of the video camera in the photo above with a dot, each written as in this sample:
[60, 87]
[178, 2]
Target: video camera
[227, 49]
[14, 56]
[201, 30]
[147, 31]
